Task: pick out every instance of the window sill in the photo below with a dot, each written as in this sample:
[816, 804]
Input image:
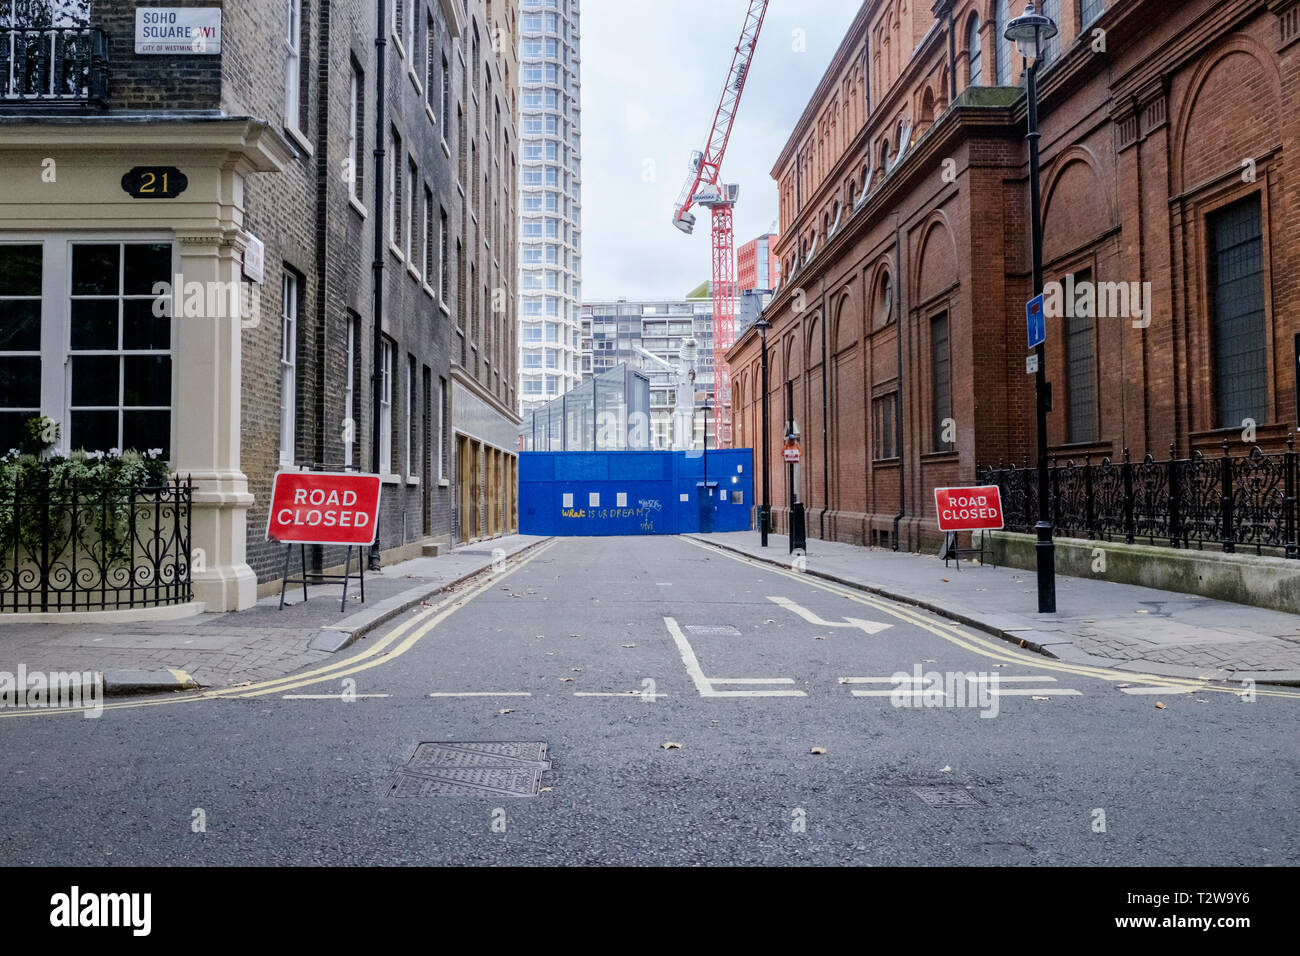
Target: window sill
[445, 148]
[415, 80]
[444, 483]
[396, 251]
[428, 290]
[444, 308]
[428, 111]
[415, 273]
[391, 479]
[398, 45]
[300, 140]
[412, 481]
[359, 209]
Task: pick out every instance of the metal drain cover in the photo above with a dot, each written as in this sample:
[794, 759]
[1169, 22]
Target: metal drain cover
[713, 630]
[946, 796]
[469, 769]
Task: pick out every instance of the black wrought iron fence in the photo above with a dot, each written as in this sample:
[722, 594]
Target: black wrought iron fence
[52, 65]
[94, 546]
[1246, 501]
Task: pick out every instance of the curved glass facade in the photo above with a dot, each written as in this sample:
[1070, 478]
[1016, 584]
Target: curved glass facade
[550, 191]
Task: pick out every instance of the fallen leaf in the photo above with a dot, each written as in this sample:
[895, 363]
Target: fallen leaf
[999, 665]
[508, 710]
[1144, 612]
[946, 769]
[1123, 685]
[545, 789]
[577, 670]
[819, 638]
[670, 746]
[1023, 642]
[844, 680]
[769, 621]
[1160, 705]
[1201, 700]
[944, 580]
[566, 680]
[818, 750]
[1039, 698]
[927, 661]
[627, 645]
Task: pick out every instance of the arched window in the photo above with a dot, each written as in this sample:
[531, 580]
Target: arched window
[883, 306]
[1002, 46]
[973, 47]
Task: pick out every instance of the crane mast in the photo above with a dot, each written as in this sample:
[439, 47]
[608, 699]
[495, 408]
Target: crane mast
[703, 188]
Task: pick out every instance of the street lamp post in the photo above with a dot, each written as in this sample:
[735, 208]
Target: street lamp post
[1030, 32]
[765, 510]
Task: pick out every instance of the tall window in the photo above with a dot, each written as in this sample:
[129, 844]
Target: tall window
[411, 213]
[120, 351]
[395, 188]
[412, 430]
[446, 98]
[884, 420]
[1051, 8]
[442, 428]
[1002, 46]
[974, 48]
[1239, 334]
[444, 267]
[288, 366]
[1090, 10]
[356, 132]
[940, 382]
[430, 63]
[1081, 367]
[349, 395]
[386, 408]
[428, 236]
[292, 62]
[20, 341]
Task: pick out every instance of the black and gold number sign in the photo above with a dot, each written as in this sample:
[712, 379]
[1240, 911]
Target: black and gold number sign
[154, 182]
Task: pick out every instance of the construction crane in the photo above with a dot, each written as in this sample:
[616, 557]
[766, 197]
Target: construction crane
[702, 188]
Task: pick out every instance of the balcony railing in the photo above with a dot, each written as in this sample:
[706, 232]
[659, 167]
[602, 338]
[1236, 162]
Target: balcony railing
[53, 66]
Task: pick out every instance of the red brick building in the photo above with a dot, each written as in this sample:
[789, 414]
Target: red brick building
[1170, 165]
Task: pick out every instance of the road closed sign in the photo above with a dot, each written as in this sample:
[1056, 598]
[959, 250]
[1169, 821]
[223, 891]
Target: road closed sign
[316, 507]
[969, 509]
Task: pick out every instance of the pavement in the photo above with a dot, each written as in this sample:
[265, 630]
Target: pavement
[1097, 622]
[261, 643]
[696, 708]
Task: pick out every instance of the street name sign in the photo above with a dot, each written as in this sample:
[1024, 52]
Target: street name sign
[969, 509]
[178, 30]
[318, 507]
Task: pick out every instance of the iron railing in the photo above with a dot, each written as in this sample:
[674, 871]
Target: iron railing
[1246, 501]
[53, 66]
[102, 546]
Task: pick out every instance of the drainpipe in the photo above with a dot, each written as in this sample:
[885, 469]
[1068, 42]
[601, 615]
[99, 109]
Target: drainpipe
[898, 418]
[952, 57]
[826, 460]
[377, 266]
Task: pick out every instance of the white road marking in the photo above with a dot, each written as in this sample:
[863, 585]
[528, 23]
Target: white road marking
[928, 693]
[1037, 691]
[1158, 689]
[483, 693]
[751, 680]
[703, 684]
[327, 696]
[901, 679]
[626, 693]
[870, 627]
[977, 679]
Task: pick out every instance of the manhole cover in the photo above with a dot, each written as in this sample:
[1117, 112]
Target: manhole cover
[469, 769]
[713, 630]
[946, 796]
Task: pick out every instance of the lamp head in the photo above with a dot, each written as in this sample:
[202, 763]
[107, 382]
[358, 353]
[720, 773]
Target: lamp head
[1030, 32]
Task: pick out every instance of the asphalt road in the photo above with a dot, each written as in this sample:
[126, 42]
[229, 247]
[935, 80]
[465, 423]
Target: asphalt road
[606, 649]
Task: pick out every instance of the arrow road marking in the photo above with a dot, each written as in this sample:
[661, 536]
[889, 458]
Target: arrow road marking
[705, 686]
[870, 627]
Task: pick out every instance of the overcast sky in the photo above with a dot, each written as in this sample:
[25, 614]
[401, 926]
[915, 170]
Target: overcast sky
[652, 74]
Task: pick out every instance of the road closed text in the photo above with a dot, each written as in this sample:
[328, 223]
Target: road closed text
[319, 508]
[968, 509]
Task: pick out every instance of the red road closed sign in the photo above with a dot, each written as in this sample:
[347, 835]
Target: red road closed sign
[318, 507]
[969, 509]
[792, 453]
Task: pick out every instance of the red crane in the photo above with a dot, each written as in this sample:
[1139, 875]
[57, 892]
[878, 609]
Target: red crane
[703, 188]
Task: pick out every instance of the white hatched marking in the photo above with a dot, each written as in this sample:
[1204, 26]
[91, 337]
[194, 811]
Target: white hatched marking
[704, 685]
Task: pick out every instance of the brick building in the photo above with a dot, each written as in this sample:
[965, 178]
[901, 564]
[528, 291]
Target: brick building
[1169, 157]
[265, 118]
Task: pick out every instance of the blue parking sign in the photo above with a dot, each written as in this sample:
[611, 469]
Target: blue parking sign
[1035, 323]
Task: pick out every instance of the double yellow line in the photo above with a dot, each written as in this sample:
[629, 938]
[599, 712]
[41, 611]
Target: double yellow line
[386, 649]
[992, 648]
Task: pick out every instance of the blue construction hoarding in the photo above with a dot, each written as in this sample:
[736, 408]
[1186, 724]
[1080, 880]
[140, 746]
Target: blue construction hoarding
[635, 492]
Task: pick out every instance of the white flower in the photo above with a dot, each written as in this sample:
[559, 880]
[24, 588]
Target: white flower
[155, 452]
[115, 453]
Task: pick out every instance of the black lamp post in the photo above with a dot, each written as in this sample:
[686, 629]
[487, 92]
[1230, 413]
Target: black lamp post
[1030, 32]
[765, 510]
[706, 409]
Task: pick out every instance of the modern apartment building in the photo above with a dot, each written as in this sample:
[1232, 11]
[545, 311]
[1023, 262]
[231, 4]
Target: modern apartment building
[256, 160]
[550, 260]
[758, 273]
[619, 330]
